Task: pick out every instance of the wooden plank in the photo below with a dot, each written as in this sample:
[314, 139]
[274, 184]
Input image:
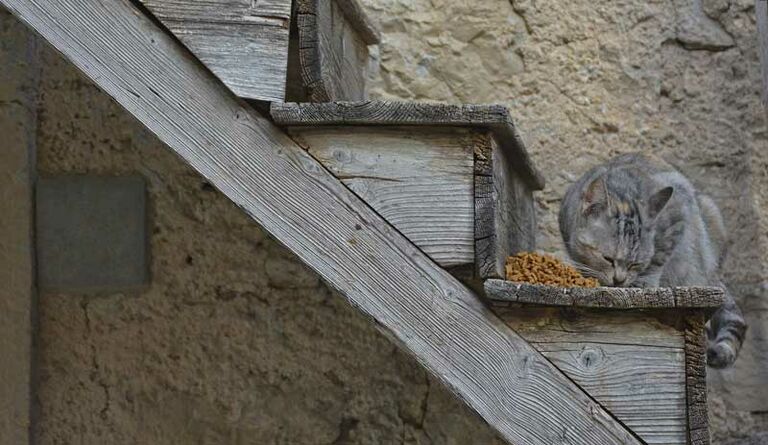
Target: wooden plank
[493, 117]
[696, 383]
[505, 220]
[421, 183]
[333, 55]
[485, 199]
[224, 11]
[761, 13]
[705, 298]
[244, 43]
[632, 363]
[303, 206]
[515, 217]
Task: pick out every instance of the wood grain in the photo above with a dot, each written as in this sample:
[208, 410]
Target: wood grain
[505, 220]
[225, 11]
[485, 199]
[705, 298]
[632, 363]
[493, 117]
[696, 381]
[19, 93]
[244, 43]
[421, 183]
[358, 19]
[761, 13]
[333, 54]
[303, 206]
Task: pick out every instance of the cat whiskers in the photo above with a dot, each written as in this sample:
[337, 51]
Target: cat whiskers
[589, 272]
[585, 270]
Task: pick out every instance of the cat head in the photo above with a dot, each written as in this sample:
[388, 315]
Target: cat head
[611, 237]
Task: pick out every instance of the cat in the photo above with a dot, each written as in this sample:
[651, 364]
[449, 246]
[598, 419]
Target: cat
[636, 221]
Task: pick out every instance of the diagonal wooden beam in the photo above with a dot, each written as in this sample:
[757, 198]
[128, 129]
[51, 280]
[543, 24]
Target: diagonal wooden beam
[415, 302]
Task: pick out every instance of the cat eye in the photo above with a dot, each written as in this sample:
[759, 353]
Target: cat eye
[607, 258]
[635, 266]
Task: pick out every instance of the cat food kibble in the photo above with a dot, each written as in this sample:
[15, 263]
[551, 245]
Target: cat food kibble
[536, 268]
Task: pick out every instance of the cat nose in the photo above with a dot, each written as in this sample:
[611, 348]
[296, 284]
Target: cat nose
[619, 277]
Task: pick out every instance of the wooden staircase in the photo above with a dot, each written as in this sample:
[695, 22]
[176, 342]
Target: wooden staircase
[384, 199]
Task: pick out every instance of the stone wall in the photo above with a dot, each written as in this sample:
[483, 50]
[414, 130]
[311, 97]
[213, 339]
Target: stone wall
[236, 342]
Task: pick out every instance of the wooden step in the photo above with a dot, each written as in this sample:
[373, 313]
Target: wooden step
[455, 180]
[246, 44]
[639, 352]
[329, 53]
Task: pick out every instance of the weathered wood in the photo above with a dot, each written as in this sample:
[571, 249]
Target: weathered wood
[696, 379]
[493, 117]
[333, 49]
[421, 183]
[632, 363]
[225, 11]
[244, 43]
[358, 19]
[705, 298]
[505, 220]
[302, 205]
[761, 13]
[692, 304]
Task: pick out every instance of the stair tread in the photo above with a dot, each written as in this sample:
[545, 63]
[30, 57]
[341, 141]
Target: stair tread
[704, 298]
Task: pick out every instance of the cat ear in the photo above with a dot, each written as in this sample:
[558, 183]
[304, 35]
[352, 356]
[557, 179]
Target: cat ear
[658, 201]
[595, 197]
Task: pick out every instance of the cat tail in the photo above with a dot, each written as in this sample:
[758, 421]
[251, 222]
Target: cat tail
[713, 219]
[725, 332]
[726, 328]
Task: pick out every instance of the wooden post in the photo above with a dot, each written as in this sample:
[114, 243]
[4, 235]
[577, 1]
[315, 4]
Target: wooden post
[332, 44]
[243, 42]
[696, 379]
[419, 305]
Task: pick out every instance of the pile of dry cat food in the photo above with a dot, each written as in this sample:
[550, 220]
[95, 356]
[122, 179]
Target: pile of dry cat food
[536, 268]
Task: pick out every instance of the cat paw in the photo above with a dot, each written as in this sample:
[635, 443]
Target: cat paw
[721, 355]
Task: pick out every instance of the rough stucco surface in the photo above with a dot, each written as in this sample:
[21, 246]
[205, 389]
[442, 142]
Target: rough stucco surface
[17, 127]
[235, 342]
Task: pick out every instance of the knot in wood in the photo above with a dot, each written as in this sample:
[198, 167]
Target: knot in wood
[590, 356]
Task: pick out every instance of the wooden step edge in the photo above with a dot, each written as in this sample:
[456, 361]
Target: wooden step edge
[494, 117]
[687, 298]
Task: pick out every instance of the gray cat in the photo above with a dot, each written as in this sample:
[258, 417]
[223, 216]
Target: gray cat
[637, 222]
